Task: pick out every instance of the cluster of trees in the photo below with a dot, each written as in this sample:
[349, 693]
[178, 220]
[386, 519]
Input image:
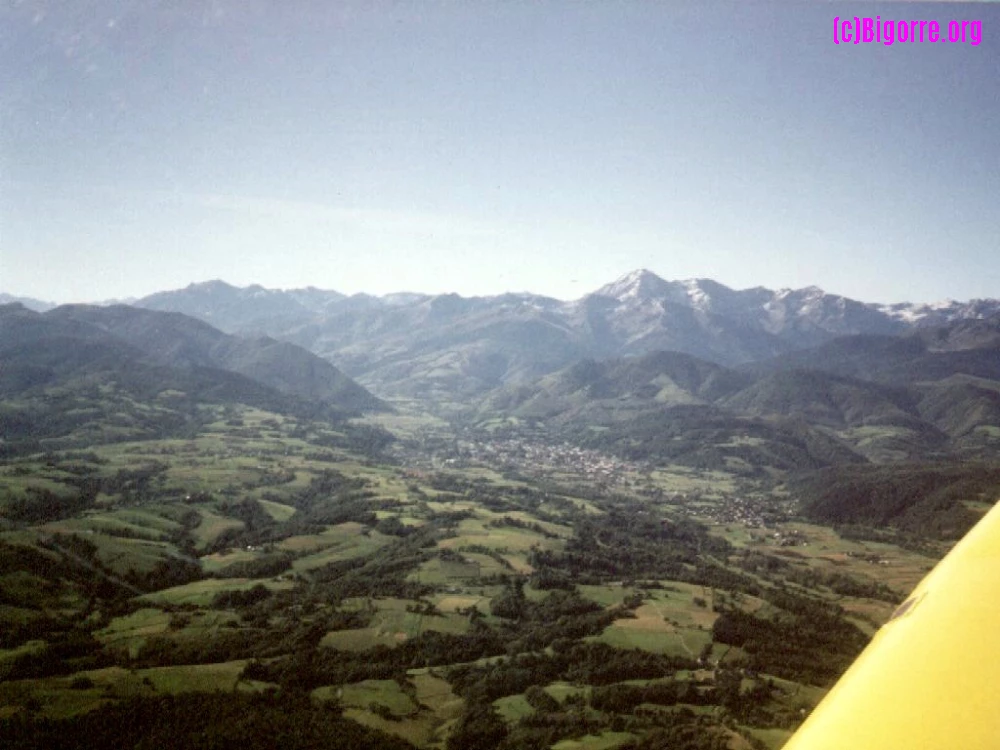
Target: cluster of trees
[286, 719]
[168, 572]
[617, 704]
[623, 698]
[573, 661]
[705, 437]
[310, 667]
[382, 574]
[927, 501]
[238, 642]
[267, 565]
[633, 543]
[40, 505]
[241, 599]
[368, 440]
[811, 643]
[559, 616]
[331, 498]
[79, 490]
[65, 651]
[778, 569]
[516, 523]
[500, 500]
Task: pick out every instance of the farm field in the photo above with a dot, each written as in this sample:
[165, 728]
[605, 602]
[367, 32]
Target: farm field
[250, 558]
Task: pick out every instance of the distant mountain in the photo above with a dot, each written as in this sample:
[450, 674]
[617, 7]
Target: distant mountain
[66, 383]
[710, 320]
[32, 304]
[940, 313]
[443, 347]
[824, 399]
[618, 388]
[446, 346]
[879, 422]
[967, 347]
[232, 309]
[667, 407]
[932, 394]
[929, 392]
[79, 374]
[178, 340]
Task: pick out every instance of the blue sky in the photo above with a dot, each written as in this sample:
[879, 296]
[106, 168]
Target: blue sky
[487, 147]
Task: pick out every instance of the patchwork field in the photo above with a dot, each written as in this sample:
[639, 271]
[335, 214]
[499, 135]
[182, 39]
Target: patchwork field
[344, 564]
[393, 624]
[201, 593]
[344, 542]
[602, 741]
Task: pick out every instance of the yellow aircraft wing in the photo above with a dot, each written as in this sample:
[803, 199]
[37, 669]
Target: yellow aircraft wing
[930, 678]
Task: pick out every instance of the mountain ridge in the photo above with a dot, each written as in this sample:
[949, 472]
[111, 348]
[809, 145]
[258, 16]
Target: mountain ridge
[315, 299]
[445, 346]
[175, 339]
[893, 400]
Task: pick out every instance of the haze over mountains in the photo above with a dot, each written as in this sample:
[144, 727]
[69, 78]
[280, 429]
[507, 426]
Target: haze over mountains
[688, 370]
[134, 436]
[84, 373]
[443, 346]
[422, 345]
[178, 340]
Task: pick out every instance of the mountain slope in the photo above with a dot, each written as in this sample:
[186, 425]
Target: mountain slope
[180, 341]
[967, 347]
[917, 397]
[927, 499]
[65, 382]
[667, 407]
[967, 409]
[619, 386]
[79, 375]
[445, 346]
[822, 398]
[30, 302]
[230, 308]
[440, 347]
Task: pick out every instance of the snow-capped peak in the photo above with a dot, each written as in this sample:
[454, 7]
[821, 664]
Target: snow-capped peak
[639, 284]
[696, 293]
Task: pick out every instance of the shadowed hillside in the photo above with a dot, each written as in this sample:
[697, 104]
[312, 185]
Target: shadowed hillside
[68, 381]
[181, 341]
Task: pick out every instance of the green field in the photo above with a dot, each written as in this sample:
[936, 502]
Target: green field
[364, 694]
[466, 538]
[773, 739]
[391, 625]
[339, 544]
[602, 741]
[513, 708]
[201, 593]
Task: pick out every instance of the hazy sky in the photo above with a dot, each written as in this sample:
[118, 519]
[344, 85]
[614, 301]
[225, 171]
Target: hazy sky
[485, 147]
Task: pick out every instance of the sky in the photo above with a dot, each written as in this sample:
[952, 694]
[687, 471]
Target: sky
[483, 147]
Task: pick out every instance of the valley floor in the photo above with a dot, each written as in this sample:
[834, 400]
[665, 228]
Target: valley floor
[449, 591]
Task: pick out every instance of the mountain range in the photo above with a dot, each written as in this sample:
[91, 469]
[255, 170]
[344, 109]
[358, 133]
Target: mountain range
[81, 373]
[179, 340]
[688, 372]
[447, 346]
[811, 408]
[890, 382]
